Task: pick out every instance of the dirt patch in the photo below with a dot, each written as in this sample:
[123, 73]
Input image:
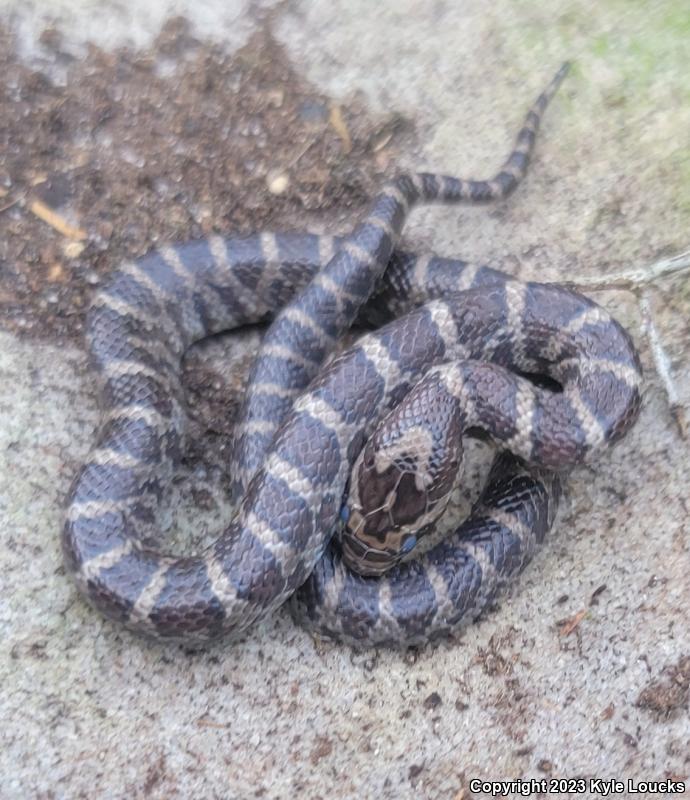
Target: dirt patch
[669, 694]
[130, 148]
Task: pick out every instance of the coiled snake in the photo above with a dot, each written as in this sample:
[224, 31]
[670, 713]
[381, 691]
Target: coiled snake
[466, 342]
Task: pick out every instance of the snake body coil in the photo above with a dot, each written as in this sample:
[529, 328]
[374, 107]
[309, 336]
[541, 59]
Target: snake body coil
[463, 329]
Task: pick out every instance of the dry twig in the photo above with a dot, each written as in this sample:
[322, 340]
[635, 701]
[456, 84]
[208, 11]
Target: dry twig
[641, 282]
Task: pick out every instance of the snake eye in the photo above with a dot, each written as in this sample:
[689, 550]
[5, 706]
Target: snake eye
[345, 514]
[408, 545]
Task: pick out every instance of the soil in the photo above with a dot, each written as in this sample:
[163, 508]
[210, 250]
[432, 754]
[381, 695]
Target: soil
[129, 148]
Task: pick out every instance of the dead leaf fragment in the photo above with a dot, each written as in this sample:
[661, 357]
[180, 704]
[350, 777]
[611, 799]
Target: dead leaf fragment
[338, 124]
[569, 625]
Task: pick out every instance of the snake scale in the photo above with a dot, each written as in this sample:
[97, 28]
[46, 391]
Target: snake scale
[461, 338]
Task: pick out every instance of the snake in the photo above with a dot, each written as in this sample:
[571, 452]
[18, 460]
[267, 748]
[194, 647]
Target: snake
[453, 349]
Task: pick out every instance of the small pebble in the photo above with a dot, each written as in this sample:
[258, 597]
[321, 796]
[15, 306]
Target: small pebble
[73, 249]
[278, 184]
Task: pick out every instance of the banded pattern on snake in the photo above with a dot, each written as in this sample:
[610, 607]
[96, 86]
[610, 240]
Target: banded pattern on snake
[466, 338]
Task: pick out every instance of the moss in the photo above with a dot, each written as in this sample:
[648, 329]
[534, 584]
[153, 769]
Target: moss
[630, 80]
[601, 45]
[680, 166]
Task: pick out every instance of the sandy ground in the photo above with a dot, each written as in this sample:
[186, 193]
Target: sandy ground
[583, 669]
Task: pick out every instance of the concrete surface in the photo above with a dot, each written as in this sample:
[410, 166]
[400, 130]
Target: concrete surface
[583, 668]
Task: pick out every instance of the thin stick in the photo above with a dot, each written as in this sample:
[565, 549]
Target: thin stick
[636, 278]
[662, 364]
[639, 282]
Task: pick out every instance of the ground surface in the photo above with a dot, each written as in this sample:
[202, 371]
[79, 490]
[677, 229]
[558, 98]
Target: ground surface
[288, 116]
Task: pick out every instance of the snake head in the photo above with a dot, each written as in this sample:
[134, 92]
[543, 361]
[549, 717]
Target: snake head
[399, 485]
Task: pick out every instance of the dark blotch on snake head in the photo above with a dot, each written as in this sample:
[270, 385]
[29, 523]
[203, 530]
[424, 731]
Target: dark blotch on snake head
[400, 483]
